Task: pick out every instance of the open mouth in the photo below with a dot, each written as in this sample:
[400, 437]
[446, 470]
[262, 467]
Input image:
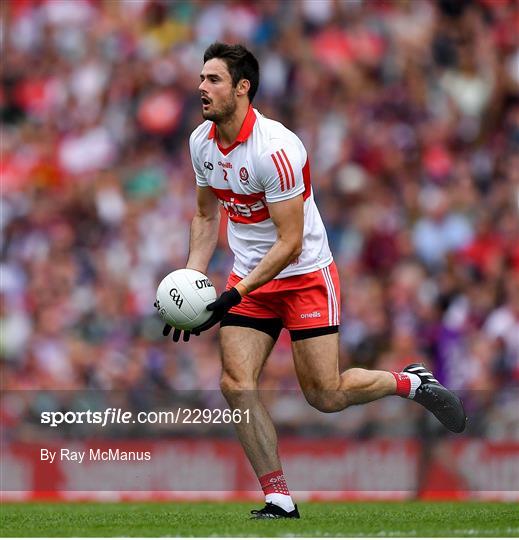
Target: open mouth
[205, 101]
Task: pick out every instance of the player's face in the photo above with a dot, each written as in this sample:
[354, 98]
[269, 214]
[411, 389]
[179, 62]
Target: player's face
[216, 91]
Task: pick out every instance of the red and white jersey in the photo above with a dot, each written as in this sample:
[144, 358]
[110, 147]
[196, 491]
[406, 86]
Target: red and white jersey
[267, 163]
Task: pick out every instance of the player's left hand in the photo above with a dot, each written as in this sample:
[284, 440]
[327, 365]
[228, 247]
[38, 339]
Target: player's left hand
[220, 307]
[177, 333]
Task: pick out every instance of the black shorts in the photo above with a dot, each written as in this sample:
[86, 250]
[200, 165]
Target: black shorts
[273, 327]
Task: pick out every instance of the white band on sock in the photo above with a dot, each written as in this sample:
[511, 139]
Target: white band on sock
[283, 501]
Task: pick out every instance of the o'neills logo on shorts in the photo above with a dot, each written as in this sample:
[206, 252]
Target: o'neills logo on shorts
[312, 315]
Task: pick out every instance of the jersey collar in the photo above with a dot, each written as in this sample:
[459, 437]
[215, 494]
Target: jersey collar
[243, 135]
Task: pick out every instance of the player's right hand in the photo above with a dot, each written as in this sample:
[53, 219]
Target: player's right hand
[220, 307]
[177, 333]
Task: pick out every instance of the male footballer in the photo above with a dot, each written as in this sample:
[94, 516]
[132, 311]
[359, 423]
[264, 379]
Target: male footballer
[283, 275]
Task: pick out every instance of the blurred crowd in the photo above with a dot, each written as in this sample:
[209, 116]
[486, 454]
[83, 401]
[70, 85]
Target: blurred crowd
[409, 110]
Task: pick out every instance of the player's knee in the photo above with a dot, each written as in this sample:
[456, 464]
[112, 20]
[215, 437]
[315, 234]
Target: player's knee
[228, 385]
[323, 400]
[232, 386]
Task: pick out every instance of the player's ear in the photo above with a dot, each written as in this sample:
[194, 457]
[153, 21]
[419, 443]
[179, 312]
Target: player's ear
[243, 87]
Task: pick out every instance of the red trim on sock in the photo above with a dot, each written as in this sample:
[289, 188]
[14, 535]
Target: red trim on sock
[403, 384]
[274, 482]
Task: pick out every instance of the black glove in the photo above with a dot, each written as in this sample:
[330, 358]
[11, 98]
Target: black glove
[219, 307]
[176, 334]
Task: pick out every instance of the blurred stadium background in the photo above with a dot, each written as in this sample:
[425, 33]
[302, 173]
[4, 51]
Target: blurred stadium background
[410, 113]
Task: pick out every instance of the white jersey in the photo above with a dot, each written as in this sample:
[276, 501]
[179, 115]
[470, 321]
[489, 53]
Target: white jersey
[266, 164]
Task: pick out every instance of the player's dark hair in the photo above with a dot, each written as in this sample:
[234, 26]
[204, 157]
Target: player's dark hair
[241, 63]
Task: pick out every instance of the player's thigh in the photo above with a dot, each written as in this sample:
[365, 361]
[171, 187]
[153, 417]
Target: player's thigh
[244, 352]
[316, 361]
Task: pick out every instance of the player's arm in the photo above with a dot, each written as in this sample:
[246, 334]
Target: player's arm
[204, 226]
[204, 230]
[202, 241]
[280, 173]
[288, 217]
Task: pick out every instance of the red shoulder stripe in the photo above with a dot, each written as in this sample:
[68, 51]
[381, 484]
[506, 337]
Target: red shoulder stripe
[282, 161]
[281, 177]
[290, 168]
